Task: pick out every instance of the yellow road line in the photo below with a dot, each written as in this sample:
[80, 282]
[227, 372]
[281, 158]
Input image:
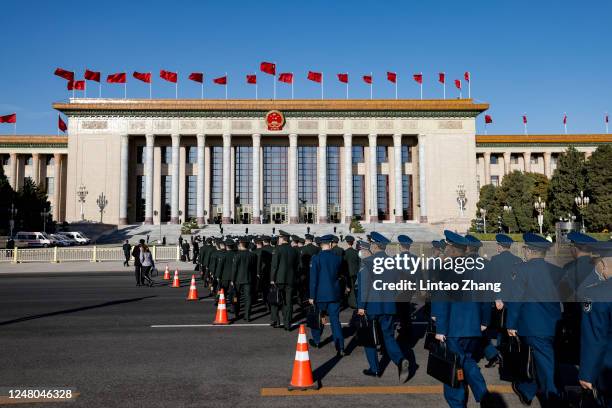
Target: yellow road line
[397, 389]
[4, 400]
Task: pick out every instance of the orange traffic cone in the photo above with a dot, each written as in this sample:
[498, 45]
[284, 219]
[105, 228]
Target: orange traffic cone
[221, 317]
[301, 379]
[167, 273]
[175, 282]
[193, 290]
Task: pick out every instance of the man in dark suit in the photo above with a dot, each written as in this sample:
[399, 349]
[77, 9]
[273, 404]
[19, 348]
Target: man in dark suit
[137, 264]
[284, 265]
[244, 268]
[351, 260]
[126, 252]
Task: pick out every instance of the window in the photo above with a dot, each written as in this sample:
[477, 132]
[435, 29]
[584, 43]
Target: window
[274, 175]
[494, 159]
[382, 187]
[333, 175]
[495, 181]
[6, 159]
[514, 159]
[407, 197]
[140, 153]
[243, 176]
[29, 161]
[307, 174]
[166, 194]
[358, 156]
[140, 198]
[192, 154]
[190, 197]
[50, 160]
[534, 159]
[358, 196]
[478, 183]
[381, 154]
[166, 154]
[553, 160]
[50, 183]
[406, 154]
[216, 175]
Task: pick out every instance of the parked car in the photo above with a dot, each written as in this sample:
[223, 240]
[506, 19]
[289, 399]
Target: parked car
[62, 241]
[77, 236]
[32, 240]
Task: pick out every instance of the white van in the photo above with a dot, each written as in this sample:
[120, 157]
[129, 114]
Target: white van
[76, 236]
[32, 240]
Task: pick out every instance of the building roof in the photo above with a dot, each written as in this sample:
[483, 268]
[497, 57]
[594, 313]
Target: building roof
[33, 141]
[539, 140]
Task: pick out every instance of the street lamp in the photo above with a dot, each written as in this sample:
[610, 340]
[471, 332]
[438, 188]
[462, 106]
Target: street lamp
[483, 214]
[82, 194]
[461, 198]
[13, 213]
[539, 207]
[102, 203]
[507, 209]
[44, 214]
[582, 202]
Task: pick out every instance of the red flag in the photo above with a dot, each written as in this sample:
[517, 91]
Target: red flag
[118, 78]
[466, 75]
[392, 77]
[251, 79]
[343, 78]
[565, 119]
[143, 76]
[92, 75]
[61, 124]
[488, 119]
[221, 80]
[315, 76]
[525, 119]
[77, 85]
[418, 78]
[458, 84]
[286, 77]
[367, 79]
[62, 73]
[441, 77]
[12, 118]
[197, 77]
[268, 68]
[168, 76]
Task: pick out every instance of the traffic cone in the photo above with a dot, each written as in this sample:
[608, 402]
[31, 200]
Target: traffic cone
[167, 273]
[301, 379]
[221, 317]
[193, 290]
[175, 282]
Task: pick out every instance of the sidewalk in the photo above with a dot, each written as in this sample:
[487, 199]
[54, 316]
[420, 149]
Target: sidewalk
[78, 267]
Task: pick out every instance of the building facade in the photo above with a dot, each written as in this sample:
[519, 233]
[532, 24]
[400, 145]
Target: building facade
[281, 161]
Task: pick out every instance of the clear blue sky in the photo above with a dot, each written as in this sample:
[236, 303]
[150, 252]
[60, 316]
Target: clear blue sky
[540, 57]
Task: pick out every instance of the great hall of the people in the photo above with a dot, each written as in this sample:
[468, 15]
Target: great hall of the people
[275, 161]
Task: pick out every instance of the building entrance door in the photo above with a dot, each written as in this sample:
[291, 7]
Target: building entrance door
[276, 214]
[244, 213]
[308, 213]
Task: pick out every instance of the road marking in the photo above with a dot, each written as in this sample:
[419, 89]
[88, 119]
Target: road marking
[397, 389]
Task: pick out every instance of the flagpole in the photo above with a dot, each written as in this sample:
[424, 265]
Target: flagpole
[396, 89]
[274, 83]
[85, 89]
[485, 127]
[371, 84]
[256, 91]
[470, 87]
[125, 89]
[321, 86]
[606, 121]
[100, 88]
[202, 89]
[347, 89]
[150, 90]
[292, 88]
[565, 122]
[444, 85]
[226, 86]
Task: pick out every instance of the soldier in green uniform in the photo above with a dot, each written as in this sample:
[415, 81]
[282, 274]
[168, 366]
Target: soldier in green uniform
[306, 253]
[284, 266]
[244, 268]
[351, 259]
[264, 261]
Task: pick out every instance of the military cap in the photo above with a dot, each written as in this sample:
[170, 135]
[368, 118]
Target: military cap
[265, 238]
[437, 244]
[404, 239]
[349, 238]
[274, 240]
[379, 238]
[229, 242]
[301, 240]
[335, 239]
[317, 240]
[326, 239]
[244, 240]
[363, 245]
[309, 237]
[504, 240]
[601, 248]
[219, 241]
[283, 233]
[579, 238]
[473, 241]
[295, 238]
[455, 239]
[535, 241]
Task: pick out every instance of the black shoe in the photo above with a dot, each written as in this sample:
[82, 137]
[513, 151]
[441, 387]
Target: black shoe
[274, 325]
[521, 397]
[340, 353]
[313, 344]
[371, 373]
[493, 362]
[403, 371]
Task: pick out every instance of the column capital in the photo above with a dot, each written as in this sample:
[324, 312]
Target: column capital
[348, 139]
[397, 139]
[176, 138]
[256, 139]
[372, 138]
[227, 139]
[322, 139]
[293, 138]
[150, 138]
[201, 138]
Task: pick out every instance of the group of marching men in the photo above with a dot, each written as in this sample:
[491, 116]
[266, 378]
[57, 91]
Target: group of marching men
[538, 298]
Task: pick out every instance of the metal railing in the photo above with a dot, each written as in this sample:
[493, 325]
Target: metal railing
[81, 254]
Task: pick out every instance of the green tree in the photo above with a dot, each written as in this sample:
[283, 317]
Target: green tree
[599, 189]
[487, 201]
[31, 202]
[6, 199]
[566, 183]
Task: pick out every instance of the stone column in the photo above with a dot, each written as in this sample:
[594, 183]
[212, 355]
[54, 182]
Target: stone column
[36, 168]
[527, 160]
[14, 161]
[373, 179]
[292, 165]
[123, 179]
[322, 179]
[397, 158]
[256, 179]
[348, 178]
[507, 156]
[422, 180]
[547, 168]
[200, 180]
[148, 171]
[57, 185]
[227, 176]
[174, 202]
[487, 168]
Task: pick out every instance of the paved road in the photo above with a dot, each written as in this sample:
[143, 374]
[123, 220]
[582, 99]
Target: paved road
[93, 332]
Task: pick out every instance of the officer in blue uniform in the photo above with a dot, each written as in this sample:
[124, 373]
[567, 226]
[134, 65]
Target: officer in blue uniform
[533, 315]
[596, 334]
[578, 271]
[460, 326]
[381, 309]
[325, 291]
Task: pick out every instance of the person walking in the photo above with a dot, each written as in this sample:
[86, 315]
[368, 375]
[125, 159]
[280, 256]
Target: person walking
[146, 260]
[126, 252]
[137, 265]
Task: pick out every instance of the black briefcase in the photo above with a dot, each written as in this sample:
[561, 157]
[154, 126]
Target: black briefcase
[444, 365]
[577, 397]
[275, 296]
[430, 336]
[517, 363]
[567, 341]
[498, 319]
[314, 320]
[366, 330]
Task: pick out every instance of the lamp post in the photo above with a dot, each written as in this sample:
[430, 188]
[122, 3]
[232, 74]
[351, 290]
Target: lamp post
[13, 213]
[483, 214]
[539, 206]
[582, 202]
[82, 194]
[102, 203]
[507, 209]
[44, 214]
[461, 198]
[155, 213]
